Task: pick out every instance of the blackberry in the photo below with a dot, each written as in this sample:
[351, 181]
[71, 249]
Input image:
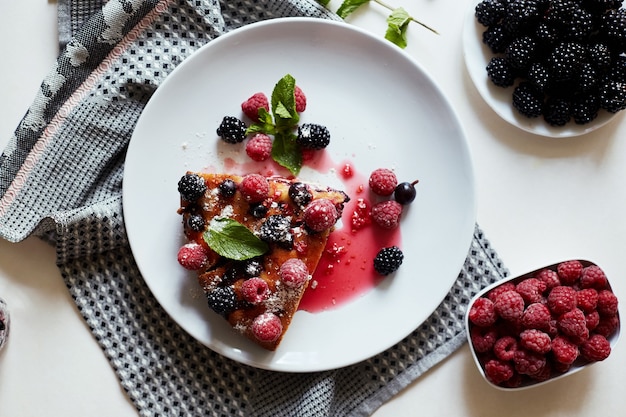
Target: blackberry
[556, 111]
[253, 267]
[227, 188]
[520, 15]
[277, 229]
[496, 38]
[612, 95]
[232, 274]
[565, 61]
[489, 12]
[527, 99]
[222, 300]
[521, 52]
[588, 77]
[599, 55]
[613, 26]
[500, 72]
[388, 260]
[313, 136]
[195, 222]
[585, 108]
[617, 71]
[232, 130]
[597, 7]
[579, 23]
[546, 37]
[538, 75]
[300, 194]
[191, 187]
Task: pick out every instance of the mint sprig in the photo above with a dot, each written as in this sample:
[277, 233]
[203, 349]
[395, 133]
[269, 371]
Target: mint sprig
[233, 240]
[281, 124]
[397, 22]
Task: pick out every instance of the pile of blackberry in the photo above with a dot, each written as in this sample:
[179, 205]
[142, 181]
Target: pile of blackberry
[565, 59]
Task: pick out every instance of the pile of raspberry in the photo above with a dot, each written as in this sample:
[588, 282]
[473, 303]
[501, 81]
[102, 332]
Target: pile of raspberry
[543, 324]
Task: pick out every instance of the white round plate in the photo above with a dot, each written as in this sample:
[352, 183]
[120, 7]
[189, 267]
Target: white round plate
[477, 56]
[382, 110]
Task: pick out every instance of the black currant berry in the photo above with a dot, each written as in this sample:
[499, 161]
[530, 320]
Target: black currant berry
[405, 192]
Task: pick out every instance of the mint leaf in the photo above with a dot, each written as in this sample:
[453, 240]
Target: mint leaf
[323, 2]
[264, 125]
[398, 22]
[286, 152]
[232, 240]
[349, 6]
[284, 103]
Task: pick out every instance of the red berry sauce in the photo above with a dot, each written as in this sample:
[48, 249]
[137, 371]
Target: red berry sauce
[346, 268]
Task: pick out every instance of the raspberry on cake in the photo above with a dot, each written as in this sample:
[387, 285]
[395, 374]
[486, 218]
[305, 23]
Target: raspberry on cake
[262, 238]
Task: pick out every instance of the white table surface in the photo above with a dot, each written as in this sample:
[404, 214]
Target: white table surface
[540, 200]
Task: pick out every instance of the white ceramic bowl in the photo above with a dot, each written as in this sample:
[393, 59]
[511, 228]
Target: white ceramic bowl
[528, 382]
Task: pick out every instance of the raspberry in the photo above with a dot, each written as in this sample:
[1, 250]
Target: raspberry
[267, 327]
[536, 316]
[254, 188]
[232, 130]
[482, 312]
[593, 277]
[531, 290]
[607, 303]
[495, 293]
[561, 299]
[320, 214]
[510, 306]
[313, 136]
[251, 106]
[386, 214]
[573, 325]
[191, 187]
[569, 272]
[483, 338]
[528, 363]
[192, 256]
[505, 348]
[587, 299]
[564, 351]
[545, 374]
[607, 326]
[592, 320]
[294, 273]
[259, 147]
[300, 99]
[535, 340]
[596, 348]
[549, 277]
[388, 260]
[255, 290]
[383, 181]
[498, 371]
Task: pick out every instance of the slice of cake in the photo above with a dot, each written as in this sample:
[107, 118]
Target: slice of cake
[255, 242]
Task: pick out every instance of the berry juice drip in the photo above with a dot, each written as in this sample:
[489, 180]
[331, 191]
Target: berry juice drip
[346, 268]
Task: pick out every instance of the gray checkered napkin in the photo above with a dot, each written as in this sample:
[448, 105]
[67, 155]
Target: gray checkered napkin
[61, 179]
